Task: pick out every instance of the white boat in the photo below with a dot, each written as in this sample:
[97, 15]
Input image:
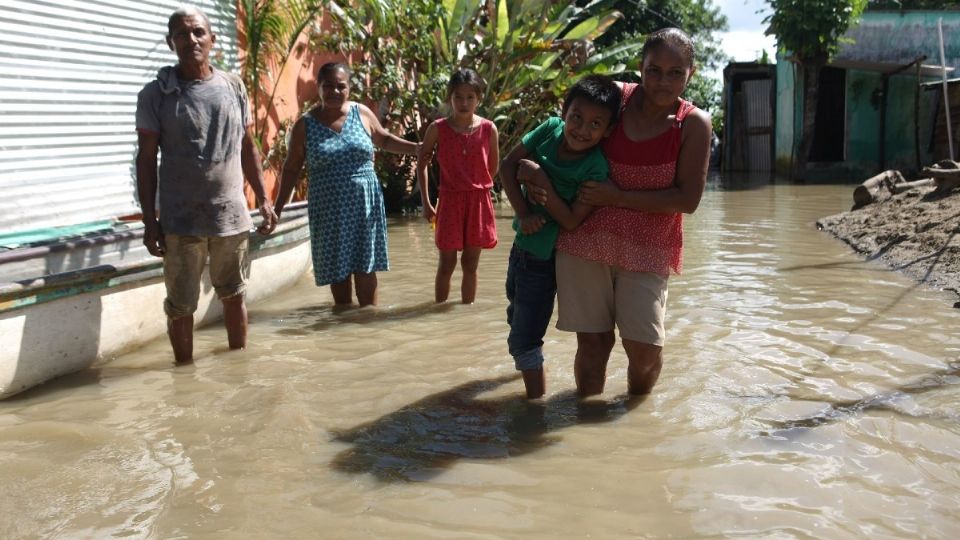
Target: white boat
[68, 304]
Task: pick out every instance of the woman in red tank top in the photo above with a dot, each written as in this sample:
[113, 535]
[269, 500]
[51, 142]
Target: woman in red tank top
[612, 271]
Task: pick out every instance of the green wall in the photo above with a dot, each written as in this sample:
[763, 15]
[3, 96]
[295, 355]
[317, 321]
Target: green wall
[787, 112]
[891, 37]
[863, 118]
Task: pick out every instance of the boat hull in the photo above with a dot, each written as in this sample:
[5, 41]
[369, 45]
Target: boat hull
[55, 325]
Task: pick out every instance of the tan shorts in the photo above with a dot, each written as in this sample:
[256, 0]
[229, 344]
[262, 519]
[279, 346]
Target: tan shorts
[183, 266]
[595, 297]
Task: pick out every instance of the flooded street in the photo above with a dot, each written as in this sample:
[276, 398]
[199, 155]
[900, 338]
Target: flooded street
[805, 394]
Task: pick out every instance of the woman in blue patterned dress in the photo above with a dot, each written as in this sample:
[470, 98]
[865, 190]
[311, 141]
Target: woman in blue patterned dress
[348, 230]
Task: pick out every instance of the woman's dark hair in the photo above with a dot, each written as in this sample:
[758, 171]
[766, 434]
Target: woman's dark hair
[332, 67]
[597, 89]
[675, 38]
[468, 77]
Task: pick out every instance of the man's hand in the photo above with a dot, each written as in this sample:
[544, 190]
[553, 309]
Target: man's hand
[531, 224]
[269, 218]
[153, 238]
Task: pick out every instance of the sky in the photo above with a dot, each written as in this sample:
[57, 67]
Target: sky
[745, 40]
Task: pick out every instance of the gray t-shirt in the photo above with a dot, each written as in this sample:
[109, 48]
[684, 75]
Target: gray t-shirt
[201, 125]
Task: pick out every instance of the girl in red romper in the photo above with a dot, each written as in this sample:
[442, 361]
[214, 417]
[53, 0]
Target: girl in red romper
[467, 150]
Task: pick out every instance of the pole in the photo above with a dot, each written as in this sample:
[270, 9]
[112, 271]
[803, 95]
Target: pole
[884, 88]
[916, 118]
[946, 97]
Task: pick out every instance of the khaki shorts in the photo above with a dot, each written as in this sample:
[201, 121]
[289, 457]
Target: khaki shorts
[183, 266]
[594, 297]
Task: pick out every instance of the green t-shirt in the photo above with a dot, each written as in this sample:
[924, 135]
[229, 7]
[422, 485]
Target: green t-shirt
[566, 176]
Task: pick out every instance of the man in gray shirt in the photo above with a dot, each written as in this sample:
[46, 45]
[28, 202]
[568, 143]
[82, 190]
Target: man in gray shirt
[197, 117]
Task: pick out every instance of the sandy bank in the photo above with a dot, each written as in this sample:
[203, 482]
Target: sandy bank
[916, 232]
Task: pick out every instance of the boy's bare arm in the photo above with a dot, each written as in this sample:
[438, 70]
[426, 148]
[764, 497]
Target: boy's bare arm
[568, 216]
[510, 182]
[578, 212]
[529, 222]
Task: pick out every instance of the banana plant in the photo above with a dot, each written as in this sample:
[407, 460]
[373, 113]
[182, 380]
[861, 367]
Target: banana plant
[272, 29]
[400, 64]
[530, 53]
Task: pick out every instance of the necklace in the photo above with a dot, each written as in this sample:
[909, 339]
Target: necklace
[465, 134]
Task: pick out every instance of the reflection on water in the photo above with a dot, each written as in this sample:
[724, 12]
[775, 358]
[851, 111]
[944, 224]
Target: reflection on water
[805, 394]
[423, 439]
[314, 318]
[902, 400]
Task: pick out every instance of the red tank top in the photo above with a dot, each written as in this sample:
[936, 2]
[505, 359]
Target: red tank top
[463, 157]
[631, 239]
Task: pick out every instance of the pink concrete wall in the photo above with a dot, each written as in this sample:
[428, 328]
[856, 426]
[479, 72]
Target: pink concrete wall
[295, 86]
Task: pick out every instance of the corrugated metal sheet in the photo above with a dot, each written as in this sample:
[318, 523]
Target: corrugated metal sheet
[757, 97]
[759, 120]
[70, 71]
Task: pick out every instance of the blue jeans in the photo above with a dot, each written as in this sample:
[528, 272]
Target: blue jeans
[531, 288]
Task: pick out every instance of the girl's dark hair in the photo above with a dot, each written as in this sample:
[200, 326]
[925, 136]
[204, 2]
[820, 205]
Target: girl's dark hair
[468, 77]
[675, 38]
[332, 67]
[597, 89]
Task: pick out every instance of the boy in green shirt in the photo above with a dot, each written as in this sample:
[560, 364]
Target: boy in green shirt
[568, 151]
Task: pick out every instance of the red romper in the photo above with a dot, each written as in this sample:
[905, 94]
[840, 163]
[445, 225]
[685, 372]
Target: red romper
[465, 215]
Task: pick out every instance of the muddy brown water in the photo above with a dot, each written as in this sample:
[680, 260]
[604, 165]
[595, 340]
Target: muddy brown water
[806, 394]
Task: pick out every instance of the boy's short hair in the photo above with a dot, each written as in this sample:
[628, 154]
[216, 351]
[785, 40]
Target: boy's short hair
[597, 89]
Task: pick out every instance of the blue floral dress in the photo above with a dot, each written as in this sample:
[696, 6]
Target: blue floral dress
[348, 226]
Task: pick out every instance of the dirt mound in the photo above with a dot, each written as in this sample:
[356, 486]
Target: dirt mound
[916, 232]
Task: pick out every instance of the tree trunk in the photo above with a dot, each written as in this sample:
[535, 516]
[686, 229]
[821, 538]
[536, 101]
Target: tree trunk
[907, 186]
[811, 94]
[876, 188]
[886, 184]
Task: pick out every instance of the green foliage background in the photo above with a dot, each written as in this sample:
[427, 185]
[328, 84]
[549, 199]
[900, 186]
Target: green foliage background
[701, 20]
[810, 32]
[911, 4]
[529, 52]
